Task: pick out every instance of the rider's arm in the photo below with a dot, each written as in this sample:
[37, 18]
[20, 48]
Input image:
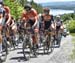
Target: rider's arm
[3, 12]
[8, 19]
[52, 18]
[61, 22]
[35, 17]
[62, 25]
[53, 22]
[23, 16]
[9, 16]
[35, 23]
[12, 23]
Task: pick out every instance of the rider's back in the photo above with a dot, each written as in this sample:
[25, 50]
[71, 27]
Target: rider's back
[30, 14]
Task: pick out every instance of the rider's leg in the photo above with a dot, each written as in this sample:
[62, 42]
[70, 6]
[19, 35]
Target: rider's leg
[57, 32]
[0, 45]
[0, 50]
[36, 38]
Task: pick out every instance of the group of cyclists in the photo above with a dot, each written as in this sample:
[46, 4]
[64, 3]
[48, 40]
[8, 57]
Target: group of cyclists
[29, 18]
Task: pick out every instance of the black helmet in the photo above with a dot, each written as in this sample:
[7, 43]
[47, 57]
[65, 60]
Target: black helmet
[1, 2]
[28, 6]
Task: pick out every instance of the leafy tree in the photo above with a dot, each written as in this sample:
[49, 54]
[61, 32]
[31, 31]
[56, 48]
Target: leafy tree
[66, 17]
[22, 2]
[73, 16]
[38, 7]
[15, 8]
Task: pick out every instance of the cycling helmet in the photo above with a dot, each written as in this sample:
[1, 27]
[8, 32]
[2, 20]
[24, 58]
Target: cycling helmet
[58, 16]
[1, 3]
[27, 6]
[46, 9]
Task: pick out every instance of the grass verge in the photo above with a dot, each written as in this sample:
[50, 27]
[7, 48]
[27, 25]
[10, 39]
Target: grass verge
[73, 51]
[73, 34]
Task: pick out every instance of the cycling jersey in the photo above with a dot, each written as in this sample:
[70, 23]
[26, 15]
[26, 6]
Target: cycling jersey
[58, 24]
[47, 20]
[1, 10]
[30, 16]
[2, 16]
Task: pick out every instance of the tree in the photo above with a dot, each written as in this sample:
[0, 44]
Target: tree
[15, 8]
[37, 6]
[22, 2]
[66, 17]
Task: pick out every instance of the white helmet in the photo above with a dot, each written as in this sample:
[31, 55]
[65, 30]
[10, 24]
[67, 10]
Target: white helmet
[58, 16]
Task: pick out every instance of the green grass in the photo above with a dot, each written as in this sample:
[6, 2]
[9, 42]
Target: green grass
[73, 34]
[73, 51]
[73, 40]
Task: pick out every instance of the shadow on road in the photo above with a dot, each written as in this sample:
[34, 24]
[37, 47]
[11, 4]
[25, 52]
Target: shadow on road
[20, 58]
[27, 52]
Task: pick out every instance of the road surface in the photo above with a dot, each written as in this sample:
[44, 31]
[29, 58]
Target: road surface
[59, 55]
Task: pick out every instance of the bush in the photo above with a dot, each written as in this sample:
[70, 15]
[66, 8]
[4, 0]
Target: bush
[71, 26]
[66, 17]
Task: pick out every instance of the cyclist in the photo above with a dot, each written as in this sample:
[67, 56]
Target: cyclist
[47, 19]
[59, 23]
[30, 16]
[7, 14]
[59, 26]
[47, 24]
[4, 17]
[1, 25]
[12, 24]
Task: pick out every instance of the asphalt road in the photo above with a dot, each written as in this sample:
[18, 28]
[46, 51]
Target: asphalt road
[59, 55]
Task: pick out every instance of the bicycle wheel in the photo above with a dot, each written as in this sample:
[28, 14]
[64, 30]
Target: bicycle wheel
[46, 44]
[50, 43]
[59, 39]
[23, 48]
[4, 49]
[27, 42]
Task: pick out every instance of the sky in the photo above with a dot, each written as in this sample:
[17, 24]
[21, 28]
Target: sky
[45, 1]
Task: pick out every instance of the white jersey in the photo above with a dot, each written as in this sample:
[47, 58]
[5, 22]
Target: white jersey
[2, 19]
[58, 23]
